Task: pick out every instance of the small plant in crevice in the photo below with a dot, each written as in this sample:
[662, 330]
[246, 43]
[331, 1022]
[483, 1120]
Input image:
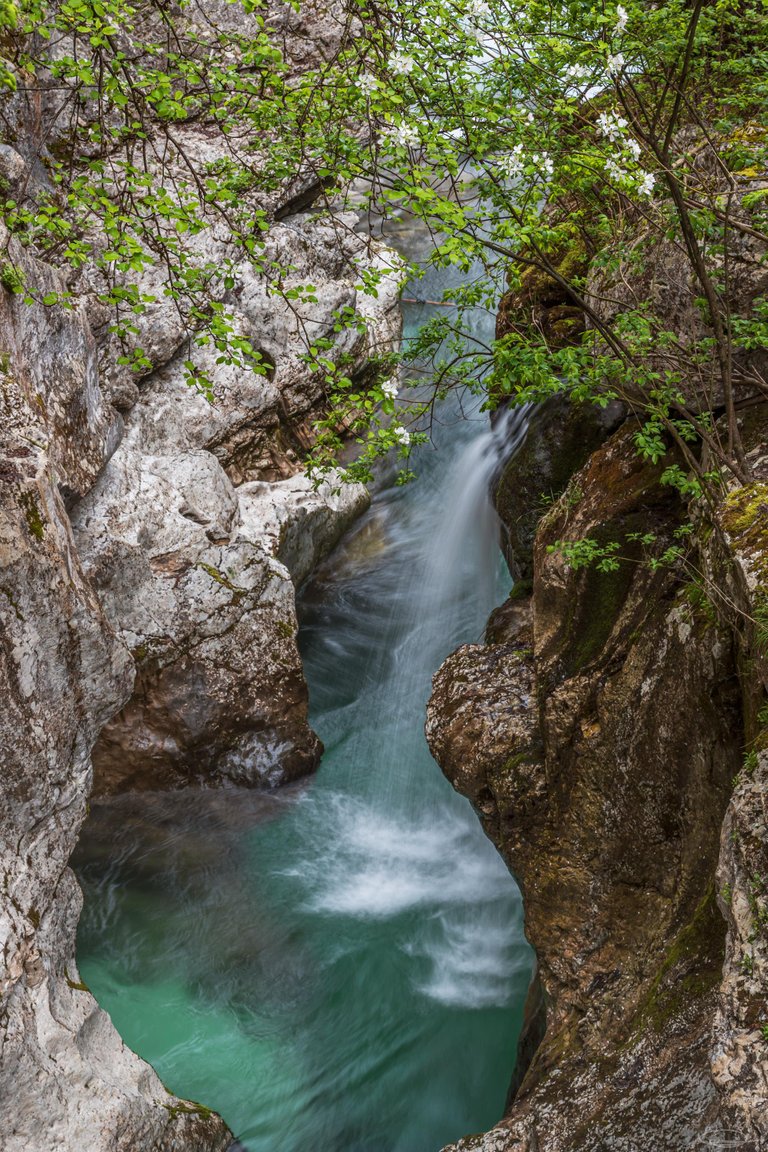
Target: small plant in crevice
[747, 964]
[760, 617]
[699, 599]
[12, 278]
[750, 763]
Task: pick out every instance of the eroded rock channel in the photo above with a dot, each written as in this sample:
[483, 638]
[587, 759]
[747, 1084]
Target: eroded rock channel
[342, 961]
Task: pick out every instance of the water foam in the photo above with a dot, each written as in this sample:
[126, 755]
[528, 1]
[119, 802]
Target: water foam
[376, 867]
[471, 960]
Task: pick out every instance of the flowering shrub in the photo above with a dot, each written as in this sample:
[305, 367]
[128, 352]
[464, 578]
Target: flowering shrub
[521, 133]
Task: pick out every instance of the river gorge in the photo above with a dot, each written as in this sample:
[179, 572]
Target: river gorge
[340, 812]
[343, 961]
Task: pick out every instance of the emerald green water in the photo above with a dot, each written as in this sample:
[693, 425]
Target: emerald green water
[342, 965]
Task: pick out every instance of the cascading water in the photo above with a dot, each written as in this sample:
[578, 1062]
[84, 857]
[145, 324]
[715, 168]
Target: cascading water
[341, 966]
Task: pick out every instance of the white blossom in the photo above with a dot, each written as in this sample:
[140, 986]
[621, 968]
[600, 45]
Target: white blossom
[578, 71]
[611, 125]
[530, 117]
[367, 83]
[647, 184]
[402, 435]
[621, 20]
[614, 64]
[390, 389]
[514, 163]
[615, 171]
[403, 135]
[633, 147]
[479, 9]
[401, 65]
[544, 162]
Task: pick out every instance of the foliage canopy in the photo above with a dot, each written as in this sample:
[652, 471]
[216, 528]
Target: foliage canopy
[582, 153]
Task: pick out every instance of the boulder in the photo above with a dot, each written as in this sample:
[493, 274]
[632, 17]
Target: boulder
[198, 579]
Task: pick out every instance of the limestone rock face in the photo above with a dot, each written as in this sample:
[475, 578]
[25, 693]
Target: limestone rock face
[57, 375]
[600, 751]
[66, 1079]
[195, 546]
[259, 426]
[198, 579]
[739, 1051]
[481, 722]
[150, 545]
[185, 566]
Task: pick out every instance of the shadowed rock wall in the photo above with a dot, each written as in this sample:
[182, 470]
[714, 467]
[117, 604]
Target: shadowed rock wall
[599, 734]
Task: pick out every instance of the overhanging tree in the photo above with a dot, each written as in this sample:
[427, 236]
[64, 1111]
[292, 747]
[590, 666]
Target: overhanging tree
[599, 147]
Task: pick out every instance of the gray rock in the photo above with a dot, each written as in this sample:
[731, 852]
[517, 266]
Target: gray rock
[66, 1079]
[12, 168]
[198, 580]
[162, 629]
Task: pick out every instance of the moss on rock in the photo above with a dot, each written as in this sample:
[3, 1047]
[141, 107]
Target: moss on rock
[560, 440]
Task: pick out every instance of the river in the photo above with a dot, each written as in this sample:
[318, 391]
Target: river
[340, 965]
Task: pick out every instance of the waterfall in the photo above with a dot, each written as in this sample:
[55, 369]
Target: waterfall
[388, 834]
[341, 965]
[461, 554]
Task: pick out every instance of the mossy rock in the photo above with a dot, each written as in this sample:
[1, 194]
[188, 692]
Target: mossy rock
[691, 968]
[560, 439]
[540, 302]
[32, 514]
[745, 519]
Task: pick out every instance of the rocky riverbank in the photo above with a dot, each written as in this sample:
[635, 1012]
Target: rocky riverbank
[151, 545]
[611, 734]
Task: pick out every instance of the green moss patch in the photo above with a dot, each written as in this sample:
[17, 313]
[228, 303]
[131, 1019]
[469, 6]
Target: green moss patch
[691, 968]
[12, 601]
[188, 1108]
[745, 519]
[32, 515]
[76, 985]
[224, 581]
